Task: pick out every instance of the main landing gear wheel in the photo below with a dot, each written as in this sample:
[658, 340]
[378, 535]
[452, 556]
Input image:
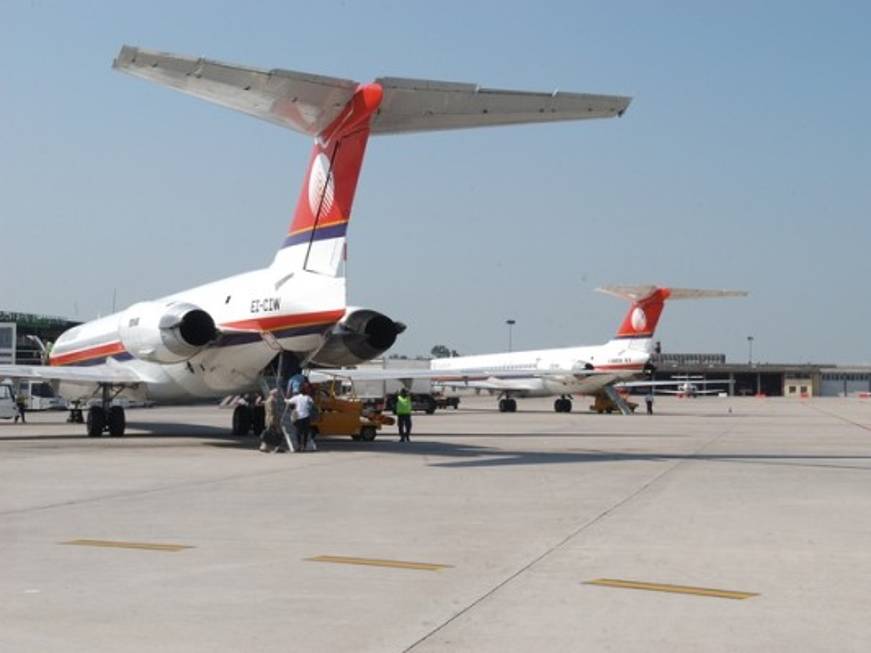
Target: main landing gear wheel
[117, 421]
[562, 405]
[96, 421]
[258, 419]
[507, 406]
[103, 416]
[241, 420]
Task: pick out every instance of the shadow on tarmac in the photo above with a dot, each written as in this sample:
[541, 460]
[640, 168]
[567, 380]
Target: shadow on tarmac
[467, 455]
[476, 456]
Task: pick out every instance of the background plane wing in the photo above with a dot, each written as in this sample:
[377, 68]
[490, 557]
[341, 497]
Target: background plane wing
[309, 103]
[398, 373]
[674, 384]
[457, 376]
[72, 374]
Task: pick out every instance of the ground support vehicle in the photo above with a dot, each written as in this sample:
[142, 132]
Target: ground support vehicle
[446, 401]
[348, 417]
[603, 404]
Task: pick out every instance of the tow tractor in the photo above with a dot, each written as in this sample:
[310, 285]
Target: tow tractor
[336, 416]
[602, 403]
[347, 417]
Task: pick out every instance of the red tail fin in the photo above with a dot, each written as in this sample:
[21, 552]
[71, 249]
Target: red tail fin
[643, 315]
[324, 206]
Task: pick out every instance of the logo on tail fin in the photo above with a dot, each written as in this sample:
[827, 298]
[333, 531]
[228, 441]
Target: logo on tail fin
[639, 319]
[321, 186]
[643, 316]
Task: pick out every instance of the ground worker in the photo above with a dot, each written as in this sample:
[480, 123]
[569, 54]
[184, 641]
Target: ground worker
[21, 407]
[403, 415]
[303, 408]
[271, 438]
[649, 401]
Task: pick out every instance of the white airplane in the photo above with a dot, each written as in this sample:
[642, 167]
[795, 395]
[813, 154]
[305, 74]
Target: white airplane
[693, 386]
[216, 339]
[597, 371]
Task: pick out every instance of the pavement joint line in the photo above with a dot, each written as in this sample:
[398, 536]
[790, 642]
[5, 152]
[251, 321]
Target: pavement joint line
[377, 562]
[673, 589]
[174, 486]
[568, 538]
[838, 417]
[146, 546]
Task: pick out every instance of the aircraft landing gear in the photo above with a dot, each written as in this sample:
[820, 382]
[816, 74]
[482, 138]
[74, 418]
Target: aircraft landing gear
[563, 405]
[507, 405]
[104, 416]
[242, 418]
[76, 416]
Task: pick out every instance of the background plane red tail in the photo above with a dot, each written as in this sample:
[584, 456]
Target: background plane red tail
[647, 304]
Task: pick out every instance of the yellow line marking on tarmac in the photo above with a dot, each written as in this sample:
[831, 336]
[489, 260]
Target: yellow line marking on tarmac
[375, 562]
[675, 589]
[148, 546]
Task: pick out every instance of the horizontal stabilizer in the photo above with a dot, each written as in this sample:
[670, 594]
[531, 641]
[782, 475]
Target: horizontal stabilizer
[310, 103]
[299, 101]
[412, 105]
[637, 293]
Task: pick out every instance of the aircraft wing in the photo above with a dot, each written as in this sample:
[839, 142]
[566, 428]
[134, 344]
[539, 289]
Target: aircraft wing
[398, 373]
[665, 384]
[456, 376]
[309, 103]
[73, 374]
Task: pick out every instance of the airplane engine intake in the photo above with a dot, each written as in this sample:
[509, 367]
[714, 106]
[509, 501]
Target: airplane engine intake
[362, 335]
[166, 334]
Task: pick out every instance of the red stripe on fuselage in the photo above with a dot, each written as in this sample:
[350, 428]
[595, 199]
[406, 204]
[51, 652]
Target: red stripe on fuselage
[272, 323]
[109, 349]
[621, 366]
[276, 322]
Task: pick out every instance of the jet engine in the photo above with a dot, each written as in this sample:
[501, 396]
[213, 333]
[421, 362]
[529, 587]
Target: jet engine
[360, 336]
[166, 333]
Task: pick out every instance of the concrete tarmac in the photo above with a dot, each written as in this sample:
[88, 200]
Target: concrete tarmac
[482, 534]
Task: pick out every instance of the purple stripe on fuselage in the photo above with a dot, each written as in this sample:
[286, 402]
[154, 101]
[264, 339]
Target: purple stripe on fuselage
[319, 233]
[233, 339]
[126, 356]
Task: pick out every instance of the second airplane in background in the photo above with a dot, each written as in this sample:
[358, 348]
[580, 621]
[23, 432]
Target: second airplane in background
[597, 371]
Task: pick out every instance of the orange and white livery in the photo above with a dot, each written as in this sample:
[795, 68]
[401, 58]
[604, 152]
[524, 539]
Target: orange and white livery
[218, 338]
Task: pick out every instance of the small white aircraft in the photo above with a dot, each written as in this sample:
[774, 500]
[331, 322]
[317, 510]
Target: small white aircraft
[216, 339]
[566, 371]
[693, 386]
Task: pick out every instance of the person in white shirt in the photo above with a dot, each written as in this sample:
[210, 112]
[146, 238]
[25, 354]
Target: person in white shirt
[303, 406]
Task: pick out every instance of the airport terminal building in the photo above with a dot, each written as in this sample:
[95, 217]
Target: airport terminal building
[16, 347]
[770, 379]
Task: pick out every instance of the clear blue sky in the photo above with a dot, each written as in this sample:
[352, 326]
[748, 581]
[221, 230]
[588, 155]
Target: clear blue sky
[742, 162]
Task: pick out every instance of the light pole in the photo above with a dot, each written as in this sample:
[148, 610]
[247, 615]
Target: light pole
[510, 324]
[750, 350]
